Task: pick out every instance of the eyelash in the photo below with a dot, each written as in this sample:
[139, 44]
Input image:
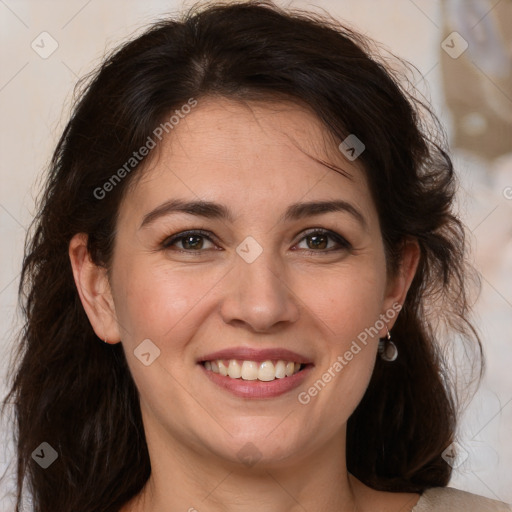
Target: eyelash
[345, 245]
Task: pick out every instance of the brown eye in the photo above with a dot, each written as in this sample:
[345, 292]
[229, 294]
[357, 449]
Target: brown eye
[191, 241]
[319, 241]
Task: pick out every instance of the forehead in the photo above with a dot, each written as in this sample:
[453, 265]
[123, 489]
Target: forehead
[230, 151]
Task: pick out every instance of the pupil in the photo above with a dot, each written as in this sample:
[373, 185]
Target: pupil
[319, 241]
[193, 245]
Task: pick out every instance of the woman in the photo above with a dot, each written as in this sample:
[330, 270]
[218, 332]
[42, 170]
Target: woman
[246, 208]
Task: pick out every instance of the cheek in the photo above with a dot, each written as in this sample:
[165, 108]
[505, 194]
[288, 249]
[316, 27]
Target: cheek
[154, 302]
[347, 301]
[348, 304]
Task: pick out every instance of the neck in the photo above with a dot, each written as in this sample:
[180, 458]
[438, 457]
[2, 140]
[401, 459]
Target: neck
[183, 479]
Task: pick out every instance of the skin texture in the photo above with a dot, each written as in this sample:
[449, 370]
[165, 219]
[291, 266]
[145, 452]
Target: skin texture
[256, 159]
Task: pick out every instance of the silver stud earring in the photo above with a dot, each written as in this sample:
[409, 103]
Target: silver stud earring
[387, 349]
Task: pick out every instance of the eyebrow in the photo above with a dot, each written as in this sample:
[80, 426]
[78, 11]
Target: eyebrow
[211, 210]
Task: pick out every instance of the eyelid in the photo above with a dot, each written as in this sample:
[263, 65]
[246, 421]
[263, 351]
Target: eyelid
[168, 241]
[339, 239]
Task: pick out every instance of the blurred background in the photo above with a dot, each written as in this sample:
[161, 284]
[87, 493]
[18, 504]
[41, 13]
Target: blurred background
[463, 50]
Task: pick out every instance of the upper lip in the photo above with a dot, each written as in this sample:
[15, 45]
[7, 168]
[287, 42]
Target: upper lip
[255, 354]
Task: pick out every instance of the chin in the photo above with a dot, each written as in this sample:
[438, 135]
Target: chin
[260, 450]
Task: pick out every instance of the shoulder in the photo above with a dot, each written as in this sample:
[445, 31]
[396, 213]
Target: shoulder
[439, 498]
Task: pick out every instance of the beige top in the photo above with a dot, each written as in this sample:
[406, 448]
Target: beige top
[454, 500]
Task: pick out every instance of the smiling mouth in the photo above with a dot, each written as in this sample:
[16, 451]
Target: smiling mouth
[264, 371]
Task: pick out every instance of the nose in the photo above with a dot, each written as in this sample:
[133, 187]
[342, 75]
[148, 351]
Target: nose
[258, 295]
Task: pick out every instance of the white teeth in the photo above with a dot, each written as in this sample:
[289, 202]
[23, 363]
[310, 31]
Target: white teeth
[250, 370]
[266, 371]
[234, 370]
[223, 369]
[280, 370]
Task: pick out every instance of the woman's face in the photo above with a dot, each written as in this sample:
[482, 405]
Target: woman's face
[272, 276]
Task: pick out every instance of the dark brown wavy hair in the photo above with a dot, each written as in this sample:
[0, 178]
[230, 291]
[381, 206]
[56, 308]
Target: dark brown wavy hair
[76, 393]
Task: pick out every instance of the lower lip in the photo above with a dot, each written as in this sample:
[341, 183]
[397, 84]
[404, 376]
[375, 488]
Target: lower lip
[257, 388]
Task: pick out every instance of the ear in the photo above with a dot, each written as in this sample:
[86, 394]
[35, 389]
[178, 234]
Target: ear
[398, 284]
[94, 290]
